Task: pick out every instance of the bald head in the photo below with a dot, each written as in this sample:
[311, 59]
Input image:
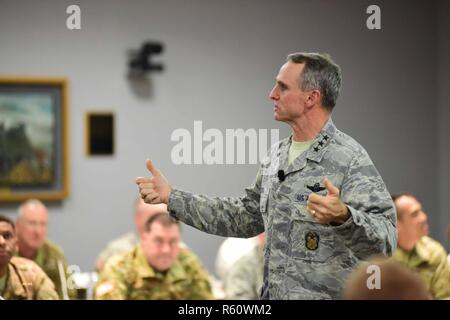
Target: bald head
[31, 224]
[143, 211]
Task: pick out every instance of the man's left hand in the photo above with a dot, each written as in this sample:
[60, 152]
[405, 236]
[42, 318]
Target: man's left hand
[328, 209]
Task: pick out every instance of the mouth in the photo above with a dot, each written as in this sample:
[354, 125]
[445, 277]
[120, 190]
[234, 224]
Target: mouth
[3, 252]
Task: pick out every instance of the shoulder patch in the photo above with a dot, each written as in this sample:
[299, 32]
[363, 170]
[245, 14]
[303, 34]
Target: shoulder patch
[104, 288]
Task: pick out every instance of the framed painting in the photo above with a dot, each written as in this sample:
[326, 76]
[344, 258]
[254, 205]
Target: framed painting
[33, 139]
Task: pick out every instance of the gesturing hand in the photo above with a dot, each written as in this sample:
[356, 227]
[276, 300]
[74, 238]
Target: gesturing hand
[155, 189]
[329, 208]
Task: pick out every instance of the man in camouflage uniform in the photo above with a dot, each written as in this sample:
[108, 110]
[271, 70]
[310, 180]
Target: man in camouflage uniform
[419, 252]
[245, 278]
[156, 269]
[31, 226]
[20, 279]
[318, 196]
[126, 242]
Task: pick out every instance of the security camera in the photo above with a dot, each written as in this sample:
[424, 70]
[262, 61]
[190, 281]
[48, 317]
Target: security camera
[141, 60]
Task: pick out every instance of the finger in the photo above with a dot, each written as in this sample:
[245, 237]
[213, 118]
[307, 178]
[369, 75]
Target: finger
[151, 167]
[142, 180]
[145, 192]
[331, 189]
[317, 209]
[151, 197]
[316, 198]
[147, 185]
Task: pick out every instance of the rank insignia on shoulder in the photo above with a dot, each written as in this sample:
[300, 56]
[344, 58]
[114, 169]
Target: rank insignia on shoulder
[311, 240]
[316, 187]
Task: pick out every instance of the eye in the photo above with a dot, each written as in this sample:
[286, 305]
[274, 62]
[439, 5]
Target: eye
[8, 236]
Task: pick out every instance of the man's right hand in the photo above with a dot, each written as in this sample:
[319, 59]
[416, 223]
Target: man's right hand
[155, 189]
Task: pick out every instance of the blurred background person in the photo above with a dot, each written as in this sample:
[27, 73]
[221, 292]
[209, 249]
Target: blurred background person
[142, 212]
[245, 277]
[156, 269]
[32, 229]
[129, 240]
[230, 251]
[395, 282]
[416, 250]
[20, 278]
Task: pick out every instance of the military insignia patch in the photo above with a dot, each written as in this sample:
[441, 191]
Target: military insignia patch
[316, 187]
[311, 240]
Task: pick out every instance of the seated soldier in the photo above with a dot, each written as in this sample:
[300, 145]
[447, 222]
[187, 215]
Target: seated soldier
[20, 279]
[32, 228]
[155, 269]
[417, 251]
[245, 278]
[126, 242]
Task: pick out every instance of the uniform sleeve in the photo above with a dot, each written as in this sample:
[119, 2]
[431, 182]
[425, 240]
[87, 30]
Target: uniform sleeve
[240, 280]
[44, 287]
[111, 284]
[372, 228]
[201, 285]
[440, 283]
[223, 216]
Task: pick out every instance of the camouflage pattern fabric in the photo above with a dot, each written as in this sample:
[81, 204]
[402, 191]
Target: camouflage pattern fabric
[129, 277]
[245, 278]
[303, 259]
[27, 281]
[47, 258]
[429, 260]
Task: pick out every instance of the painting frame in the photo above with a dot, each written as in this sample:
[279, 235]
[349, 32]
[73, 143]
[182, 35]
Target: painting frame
[33, 139]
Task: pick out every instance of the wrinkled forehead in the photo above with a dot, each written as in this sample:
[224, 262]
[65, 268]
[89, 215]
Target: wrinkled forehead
[407, 205]
[290, 72]
[159, 230]
[34, 212]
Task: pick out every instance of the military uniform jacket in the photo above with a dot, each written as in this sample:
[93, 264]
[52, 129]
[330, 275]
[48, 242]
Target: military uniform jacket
[303, 259]
[27, 281]
[429, 260]
[128, 276]
[47, 257]
[245, 277]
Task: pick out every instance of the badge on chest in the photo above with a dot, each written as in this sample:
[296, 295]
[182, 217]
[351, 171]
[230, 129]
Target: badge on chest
[311, 240]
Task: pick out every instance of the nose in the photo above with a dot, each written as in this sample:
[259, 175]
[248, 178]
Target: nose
[274, 94]
[165, 248]
[2, 240]
[424, 217]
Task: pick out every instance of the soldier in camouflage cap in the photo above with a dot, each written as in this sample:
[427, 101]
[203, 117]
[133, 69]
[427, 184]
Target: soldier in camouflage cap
[20, 279]
[318, 196]
[418, 251]
[156, 269]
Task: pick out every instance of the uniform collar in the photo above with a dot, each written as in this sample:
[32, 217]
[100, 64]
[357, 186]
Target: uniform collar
[417, 256]
[144, 270]
[314, 153]
[16, 291]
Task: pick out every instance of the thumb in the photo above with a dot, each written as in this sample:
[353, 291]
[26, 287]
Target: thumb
[331, 189]
[151, 167]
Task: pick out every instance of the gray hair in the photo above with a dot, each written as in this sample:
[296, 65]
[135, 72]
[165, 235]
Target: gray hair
[320, 72]
[28, 203]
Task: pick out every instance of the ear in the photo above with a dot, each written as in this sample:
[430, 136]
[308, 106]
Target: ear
[313, 98]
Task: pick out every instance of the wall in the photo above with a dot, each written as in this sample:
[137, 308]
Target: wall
[221, 59]
[443, 112]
